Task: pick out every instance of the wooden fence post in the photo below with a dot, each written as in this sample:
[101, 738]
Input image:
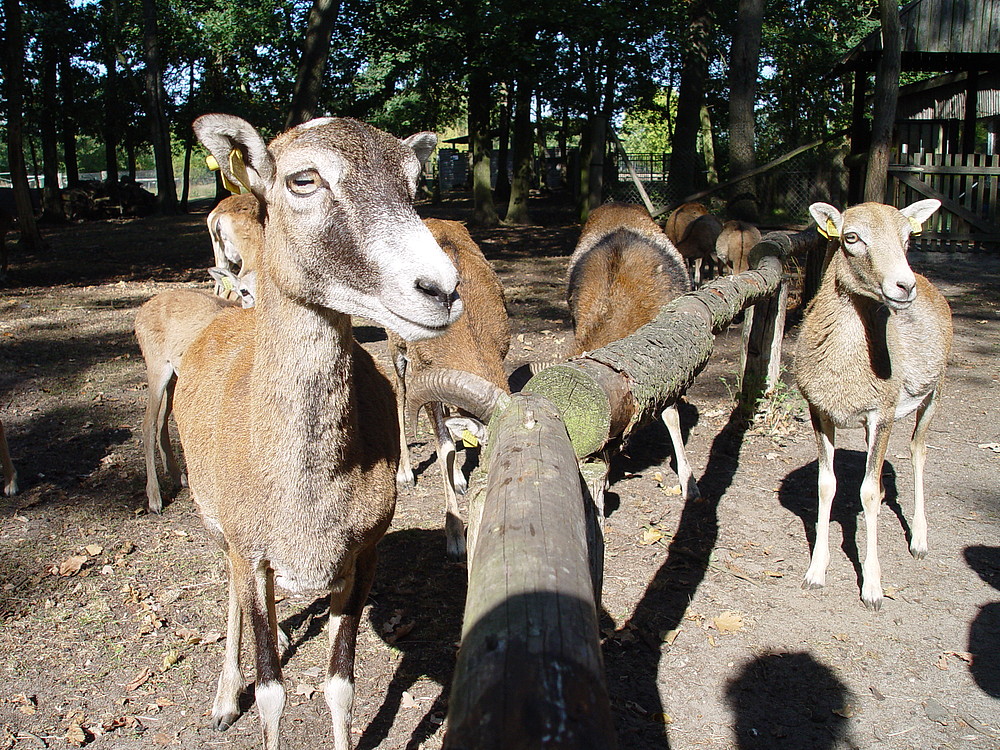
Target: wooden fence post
[530, 672]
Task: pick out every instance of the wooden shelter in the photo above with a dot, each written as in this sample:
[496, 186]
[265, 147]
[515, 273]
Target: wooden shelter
[946, 127]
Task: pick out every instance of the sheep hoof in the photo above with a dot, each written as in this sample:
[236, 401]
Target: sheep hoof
[809, 584]
[873, 604]
[918, 553]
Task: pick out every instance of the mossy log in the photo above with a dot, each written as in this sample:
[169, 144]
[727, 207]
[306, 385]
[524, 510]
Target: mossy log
[529, 672]
[608, 392]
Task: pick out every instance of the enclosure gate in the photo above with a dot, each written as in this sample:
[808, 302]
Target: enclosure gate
[966, 185]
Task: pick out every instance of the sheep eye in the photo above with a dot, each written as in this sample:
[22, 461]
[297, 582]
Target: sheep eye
[306, 182]
[851, 237]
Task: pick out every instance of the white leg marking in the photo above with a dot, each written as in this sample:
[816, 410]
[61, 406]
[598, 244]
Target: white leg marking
[270, 704]
[825, 435]
[339, 694]
[672, 420]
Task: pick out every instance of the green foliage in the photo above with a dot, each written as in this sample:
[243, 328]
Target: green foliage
[648, 129]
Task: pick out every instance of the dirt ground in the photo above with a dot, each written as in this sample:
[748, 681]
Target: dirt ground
[112, 619]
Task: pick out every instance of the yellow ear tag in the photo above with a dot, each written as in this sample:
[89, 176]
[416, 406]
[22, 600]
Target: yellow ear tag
[213, 165]
[469, 440]
[238, 168]
[829, 231]
[227, 284]
[915, 226]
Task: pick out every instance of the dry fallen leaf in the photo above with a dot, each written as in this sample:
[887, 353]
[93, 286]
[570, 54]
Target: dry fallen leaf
[93, 549]
[651, 535]
[306, 690]
[661, 718]
[728, 622]
[847, 711]
[170, 659]
[963, 655]
[141, 679]
[72, 565]
[408, 701]
[76, 735]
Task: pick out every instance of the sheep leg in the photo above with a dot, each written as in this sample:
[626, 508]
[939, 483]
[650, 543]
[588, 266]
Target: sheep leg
[226, 708]
[918, 454]
[254, 590]
[345, 614]
[672, 420]
[404, 472]
[178, 478]
[454, 529]
[9, 472]
[825, 433]
[697, 271]
[872, 493]
[155, 435]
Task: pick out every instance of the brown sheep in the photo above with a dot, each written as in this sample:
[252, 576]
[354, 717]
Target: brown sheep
[624, 269]
[734, 244]
[473, 349]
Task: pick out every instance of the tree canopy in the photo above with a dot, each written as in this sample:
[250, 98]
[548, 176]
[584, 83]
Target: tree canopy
[409, 65]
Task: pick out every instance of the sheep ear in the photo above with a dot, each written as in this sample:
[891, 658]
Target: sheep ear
[828, 219]
[240, 151]
[920, 211]
[422, 144]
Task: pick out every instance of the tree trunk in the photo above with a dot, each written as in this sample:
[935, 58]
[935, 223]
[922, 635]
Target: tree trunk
[315, 50]
[517, 209]
[684, 157]
[744, 61]
[598, 127]
[484, 212]
[112, 110]
[52, 210]
[502, 189]
[166, 191]
[708, 147]
[886, 91]
[66, 85]
[13, 56]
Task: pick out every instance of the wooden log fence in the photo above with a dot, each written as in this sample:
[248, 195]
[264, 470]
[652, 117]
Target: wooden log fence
[529, 672]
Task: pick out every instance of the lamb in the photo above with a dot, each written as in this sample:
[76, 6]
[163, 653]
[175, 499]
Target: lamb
[9, 472]
[623, 270]
[734, 244]
[873, 348]
[694, 232]
[473, 349]
[164, 327]
[237, 231]
[299, 490]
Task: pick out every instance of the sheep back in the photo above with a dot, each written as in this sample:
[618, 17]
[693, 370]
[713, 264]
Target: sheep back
[623, 271]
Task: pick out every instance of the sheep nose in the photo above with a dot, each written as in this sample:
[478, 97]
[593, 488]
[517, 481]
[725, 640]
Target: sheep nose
[908, 288]
[433, 290]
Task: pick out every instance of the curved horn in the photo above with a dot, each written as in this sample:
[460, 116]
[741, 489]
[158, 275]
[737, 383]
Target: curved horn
[473, 393]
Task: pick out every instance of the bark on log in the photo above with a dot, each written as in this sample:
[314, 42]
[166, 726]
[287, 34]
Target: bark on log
[607, 393]
[529, 672]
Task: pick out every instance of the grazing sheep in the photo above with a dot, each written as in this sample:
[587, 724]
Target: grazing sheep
[624, 269]
[734, 244]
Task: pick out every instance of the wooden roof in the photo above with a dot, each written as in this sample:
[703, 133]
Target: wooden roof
[938, 35]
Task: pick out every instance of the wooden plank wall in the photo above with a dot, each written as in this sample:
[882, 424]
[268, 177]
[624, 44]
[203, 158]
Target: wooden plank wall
[971, 182]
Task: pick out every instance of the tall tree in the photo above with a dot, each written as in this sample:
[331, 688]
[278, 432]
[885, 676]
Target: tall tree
[744, 60]
[694, 75]
[886, 91]
[315, 51]
[517, 207]
[166, 190]
[110, 24]
[13, 58]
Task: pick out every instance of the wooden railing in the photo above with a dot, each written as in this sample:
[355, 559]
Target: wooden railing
[968, 186]
[529, 671]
